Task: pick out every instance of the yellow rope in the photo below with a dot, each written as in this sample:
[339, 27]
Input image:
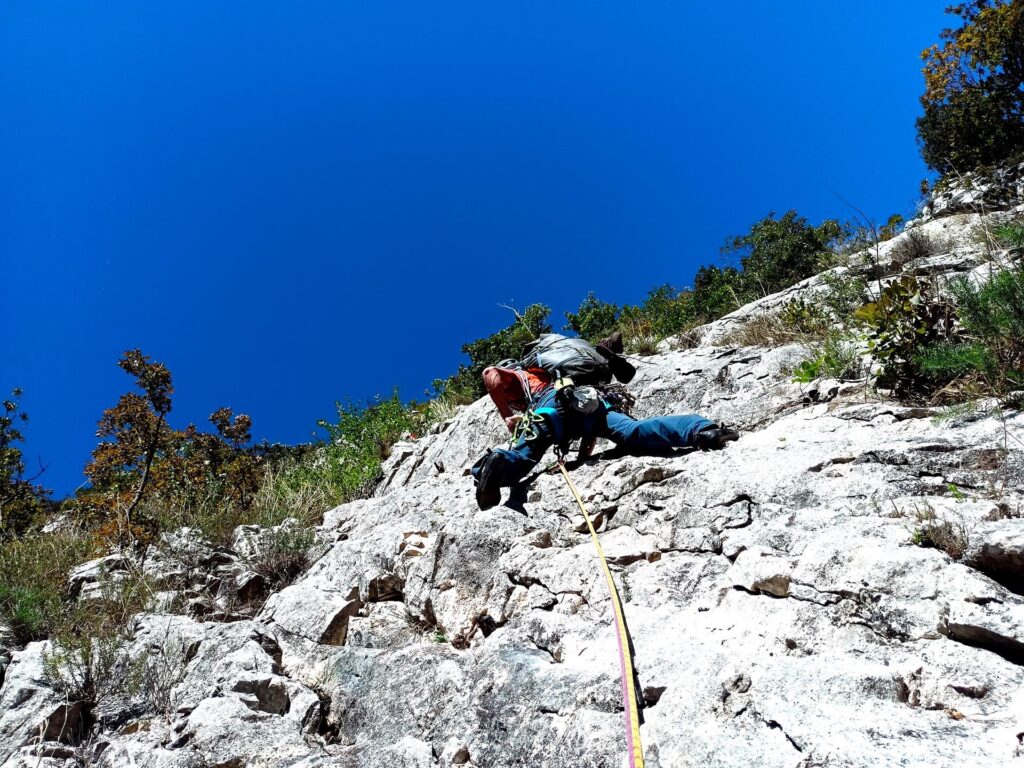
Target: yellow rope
[633, 745]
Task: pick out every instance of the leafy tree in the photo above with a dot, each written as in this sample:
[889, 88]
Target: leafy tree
[667, 310]
[143, 467]
[974, 88]
[136, 431]
[196, 467]
[716, 292]
[594, 319]
[234, 461]
[21, 498]
[778, 252]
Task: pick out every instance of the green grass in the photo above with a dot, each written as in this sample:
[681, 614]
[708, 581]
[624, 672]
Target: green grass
[1011, 234]
[34, 582]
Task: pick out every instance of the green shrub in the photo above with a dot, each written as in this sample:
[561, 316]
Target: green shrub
[905, 319]
[348, 465]
[836, 357]
[992, 319]
[594, 319]
[843, 294]
[994, 310]
[922, 350]
[25, 610]
[946, 360]
[778, 252]
[804, 317]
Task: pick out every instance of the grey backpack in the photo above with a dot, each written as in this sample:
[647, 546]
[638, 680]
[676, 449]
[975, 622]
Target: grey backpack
[562, 356]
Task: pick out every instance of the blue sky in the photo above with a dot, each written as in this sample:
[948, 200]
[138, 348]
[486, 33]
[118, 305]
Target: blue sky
[295, 203]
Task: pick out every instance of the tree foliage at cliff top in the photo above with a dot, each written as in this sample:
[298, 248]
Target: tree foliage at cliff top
[974, 88]
[775, 253]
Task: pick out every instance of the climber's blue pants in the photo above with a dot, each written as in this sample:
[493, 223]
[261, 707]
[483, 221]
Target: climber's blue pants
[636, 437]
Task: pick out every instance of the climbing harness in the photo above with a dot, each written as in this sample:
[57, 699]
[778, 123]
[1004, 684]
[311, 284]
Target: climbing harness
[631, 712]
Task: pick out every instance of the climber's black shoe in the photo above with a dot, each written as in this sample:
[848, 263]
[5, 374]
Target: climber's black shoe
[715, 436]
[612, 344]
[488, 480]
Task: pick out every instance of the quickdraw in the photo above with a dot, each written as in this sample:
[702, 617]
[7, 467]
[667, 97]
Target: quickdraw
[634, 747]
[525, 427]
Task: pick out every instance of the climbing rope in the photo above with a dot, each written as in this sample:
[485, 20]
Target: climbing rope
[631, 712]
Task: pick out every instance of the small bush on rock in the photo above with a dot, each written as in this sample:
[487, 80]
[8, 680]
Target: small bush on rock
[938, 533]
[912, 246]
[950, 360]
[88, 661]
[844, 293]
[837, 357]
[987, 355]
[906, 317]
[808, 318]
[282, 555]
[1011, 234]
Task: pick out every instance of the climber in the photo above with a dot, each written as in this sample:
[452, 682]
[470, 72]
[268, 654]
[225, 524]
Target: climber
[564, 412]
[516, 384]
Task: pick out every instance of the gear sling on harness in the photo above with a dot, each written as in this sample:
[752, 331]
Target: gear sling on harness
[634, 749]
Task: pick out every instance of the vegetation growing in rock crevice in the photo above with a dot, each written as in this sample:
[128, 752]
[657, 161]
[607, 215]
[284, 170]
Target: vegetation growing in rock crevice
[951, 342]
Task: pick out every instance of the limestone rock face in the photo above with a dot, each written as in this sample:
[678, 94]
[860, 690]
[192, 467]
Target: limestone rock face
[781, 613]
[32, 713]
